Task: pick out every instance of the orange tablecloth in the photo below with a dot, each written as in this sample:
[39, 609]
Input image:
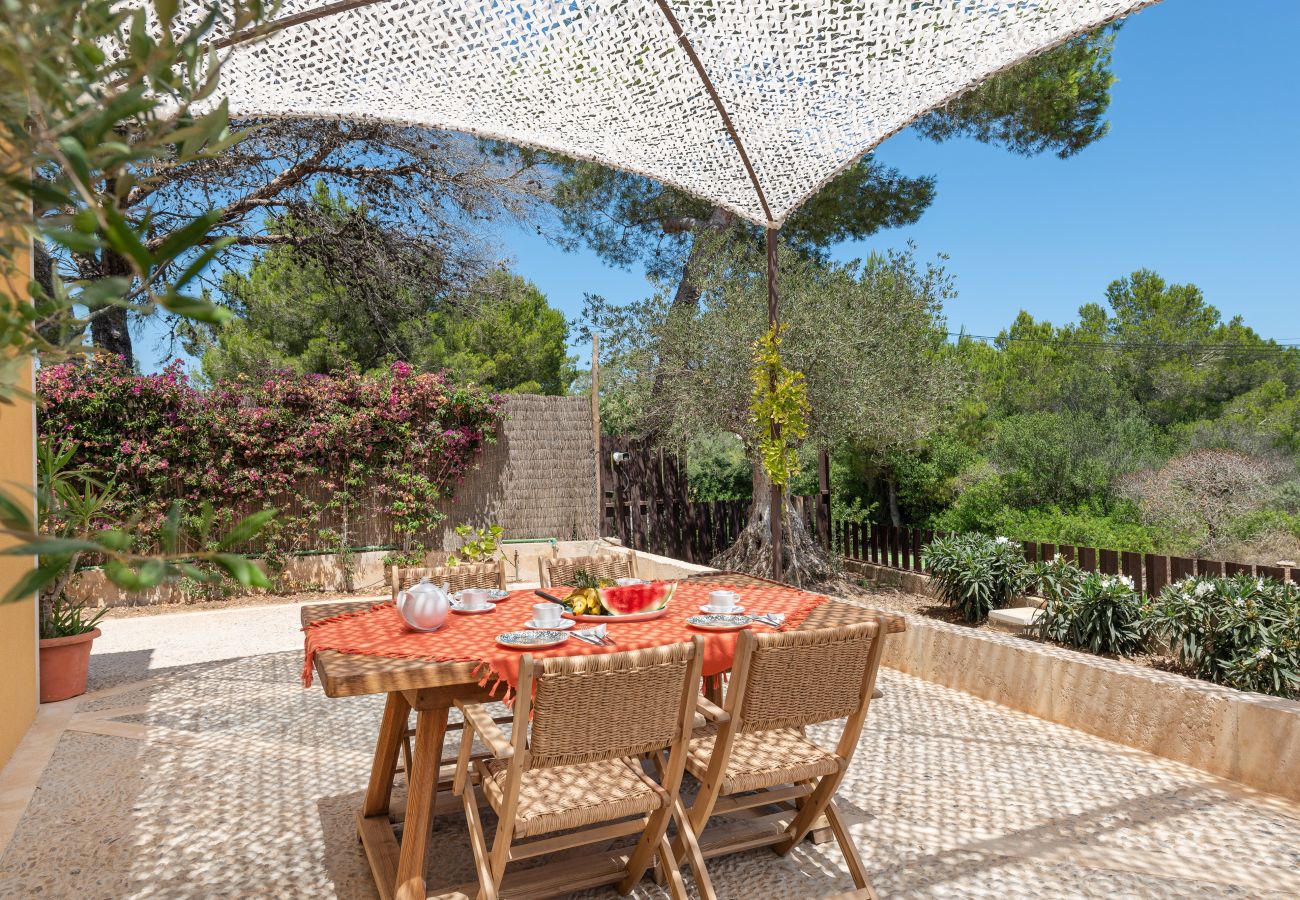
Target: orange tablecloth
[380, 631]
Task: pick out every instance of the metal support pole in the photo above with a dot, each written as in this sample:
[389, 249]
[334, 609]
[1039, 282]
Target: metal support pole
[773, 318]
[595, 433]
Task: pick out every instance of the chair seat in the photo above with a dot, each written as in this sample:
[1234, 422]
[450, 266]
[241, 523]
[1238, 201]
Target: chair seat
[762, 759]
[567, 797]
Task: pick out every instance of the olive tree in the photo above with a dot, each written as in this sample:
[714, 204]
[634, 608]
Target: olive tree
[867, 337]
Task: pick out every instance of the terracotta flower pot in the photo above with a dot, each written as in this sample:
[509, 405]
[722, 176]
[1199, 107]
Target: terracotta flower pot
[64, 662]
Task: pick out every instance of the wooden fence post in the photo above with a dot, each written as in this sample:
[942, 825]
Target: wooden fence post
[1131, 565]
[1087, 559]
[1181, 567]
[1157, 574]
[1271, 572]
[824, 497]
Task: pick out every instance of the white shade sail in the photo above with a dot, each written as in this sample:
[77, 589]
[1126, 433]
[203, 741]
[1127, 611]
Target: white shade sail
[752, 105]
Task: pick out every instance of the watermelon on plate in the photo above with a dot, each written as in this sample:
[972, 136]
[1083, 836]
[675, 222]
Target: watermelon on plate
[627, 600]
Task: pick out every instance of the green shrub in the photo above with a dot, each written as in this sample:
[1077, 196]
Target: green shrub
[718, 469]
[1094, 612]
[1240, 631]
[979, 507]
[982, 508]
[1056, 579]
[974, 573]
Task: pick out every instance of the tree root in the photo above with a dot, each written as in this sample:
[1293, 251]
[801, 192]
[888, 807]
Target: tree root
[804, 564]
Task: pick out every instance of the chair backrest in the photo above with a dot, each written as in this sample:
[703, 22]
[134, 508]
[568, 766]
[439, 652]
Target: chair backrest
[466, 575]
[561, 570]
[589, 708]
[789, 679]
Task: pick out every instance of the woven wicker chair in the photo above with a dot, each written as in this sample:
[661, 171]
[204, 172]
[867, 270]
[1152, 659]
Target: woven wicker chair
[572, 762]
[780, 683]
[561, 570]
[466, 575]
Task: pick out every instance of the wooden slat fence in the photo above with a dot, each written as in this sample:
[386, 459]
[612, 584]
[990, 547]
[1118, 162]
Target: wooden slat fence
[902, 547]
[646, 504]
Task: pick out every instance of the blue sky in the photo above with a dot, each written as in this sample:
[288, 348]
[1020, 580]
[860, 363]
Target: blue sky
[1196, 180]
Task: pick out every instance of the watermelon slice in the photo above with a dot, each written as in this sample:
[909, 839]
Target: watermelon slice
[630, 599]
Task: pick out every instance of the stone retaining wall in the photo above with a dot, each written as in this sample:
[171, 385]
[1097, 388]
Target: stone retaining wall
[325, 572]
[1250, 738]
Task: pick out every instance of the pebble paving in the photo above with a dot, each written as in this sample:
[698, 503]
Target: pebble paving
[226, 778]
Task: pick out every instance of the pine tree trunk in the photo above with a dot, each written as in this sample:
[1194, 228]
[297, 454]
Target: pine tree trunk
[110, 332]
[109, 327]
[804, 562]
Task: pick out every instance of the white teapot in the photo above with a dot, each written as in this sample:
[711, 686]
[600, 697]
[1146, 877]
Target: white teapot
[424, 606]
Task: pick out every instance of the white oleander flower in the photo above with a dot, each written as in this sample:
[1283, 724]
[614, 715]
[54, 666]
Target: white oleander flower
[1203, 588]
[1001, 540]
[1126, 581]
[1263, 653]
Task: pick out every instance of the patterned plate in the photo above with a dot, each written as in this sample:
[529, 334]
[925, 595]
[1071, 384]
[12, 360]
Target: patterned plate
[719, 622]
[538, 639]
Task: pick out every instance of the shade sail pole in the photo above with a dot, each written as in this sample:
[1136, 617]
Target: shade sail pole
[774, 319]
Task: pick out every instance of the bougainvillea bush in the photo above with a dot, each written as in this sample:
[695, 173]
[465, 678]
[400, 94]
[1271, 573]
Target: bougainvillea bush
[314, 446]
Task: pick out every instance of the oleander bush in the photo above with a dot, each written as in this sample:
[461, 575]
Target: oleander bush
[1240, 631]
[313, 446]
[1091, 611]
[975, 573]
[1056, 578]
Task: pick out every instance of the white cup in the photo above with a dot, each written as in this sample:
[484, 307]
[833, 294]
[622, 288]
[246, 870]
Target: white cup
[722, 600]
[473, 598]
[546, 615]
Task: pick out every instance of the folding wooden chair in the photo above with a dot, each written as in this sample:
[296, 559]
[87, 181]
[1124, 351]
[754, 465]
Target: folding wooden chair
[754, 752]
[457, 578]
[561, 569]
[572, 764]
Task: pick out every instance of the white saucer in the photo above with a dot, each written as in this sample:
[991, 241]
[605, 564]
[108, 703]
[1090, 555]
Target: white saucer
[564, 623]
[494, 595]
[719, 611]
[457, 608]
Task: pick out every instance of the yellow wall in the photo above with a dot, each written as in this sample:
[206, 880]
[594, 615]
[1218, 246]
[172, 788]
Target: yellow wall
[17, 620]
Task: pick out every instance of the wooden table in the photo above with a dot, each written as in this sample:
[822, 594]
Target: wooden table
[430, 689]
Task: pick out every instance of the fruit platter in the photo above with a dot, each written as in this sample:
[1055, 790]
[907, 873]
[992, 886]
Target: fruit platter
[599, 600]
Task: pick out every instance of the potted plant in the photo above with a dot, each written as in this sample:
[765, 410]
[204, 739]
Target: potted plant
[70, 503]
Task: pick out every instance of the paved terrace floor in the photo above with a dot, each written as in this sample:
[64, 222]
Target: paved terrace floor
[199, 767]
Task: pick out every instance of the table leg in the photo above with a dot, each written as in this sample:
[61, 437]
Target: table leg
[713, 689]
[387, 748]
[430, 727]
